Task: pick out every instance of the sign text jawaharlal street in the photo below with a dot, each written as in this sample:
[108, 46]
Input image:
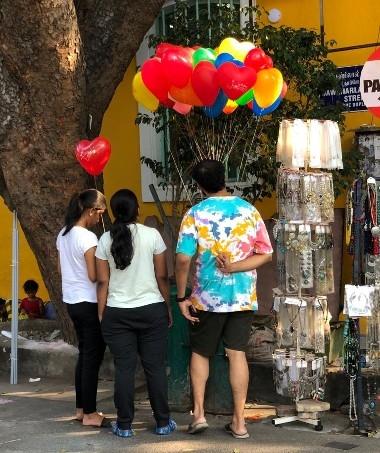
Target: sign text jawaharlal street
[349, 93]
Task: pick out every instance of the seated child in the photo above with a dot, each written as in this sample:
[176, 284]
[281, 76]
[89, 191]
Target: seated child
[33, 306]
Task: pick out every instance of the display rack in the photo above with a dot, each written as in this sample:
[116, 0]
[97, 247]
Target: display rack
[362, 299]
[304, 242]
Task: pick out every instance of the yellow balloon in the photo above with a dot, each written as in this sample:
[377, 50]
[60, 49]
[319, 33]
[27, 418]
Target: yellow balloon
[268, 87]
[143, 95]
[237, 49]
[228, 45]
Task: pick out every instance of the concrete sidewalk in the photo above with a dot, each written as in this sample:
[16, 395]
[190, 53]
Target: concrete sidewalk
[37, 417]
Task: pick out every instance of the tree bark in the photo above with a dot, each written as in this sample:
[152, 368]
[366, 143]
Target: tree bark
[59, 62]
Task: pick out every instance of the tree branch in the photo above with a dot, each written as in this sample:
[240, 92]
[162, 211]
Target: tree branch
[111, 32]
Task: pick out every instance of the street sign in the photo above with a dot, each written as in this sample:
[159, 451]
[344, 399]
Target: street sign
[349, 92]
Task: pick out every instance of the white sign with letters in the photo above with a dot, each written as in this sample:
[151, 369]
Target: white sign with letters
[370, 83]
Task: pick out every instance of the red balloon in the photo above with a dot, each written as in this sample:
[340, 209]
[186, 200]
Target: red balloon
[236, 80]
[168, 103]
[205, 82]
[256, 59]
[268, 62]
[93, 155]
[178, 66]
[154, 78]
[284, 90]
[163, 47]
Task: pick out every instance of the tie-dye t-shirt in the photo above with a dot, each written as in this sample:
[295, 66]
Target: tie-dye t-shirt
[228, 225]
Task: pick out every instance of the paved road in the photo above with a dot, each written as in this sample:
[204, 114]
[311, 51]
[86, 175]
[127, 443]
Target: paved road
[36, 417]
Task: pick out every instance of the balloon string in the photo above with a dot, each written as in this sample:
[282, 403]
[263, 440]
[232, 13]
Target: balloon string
[244, 155]
[180, 175]
[101, 215]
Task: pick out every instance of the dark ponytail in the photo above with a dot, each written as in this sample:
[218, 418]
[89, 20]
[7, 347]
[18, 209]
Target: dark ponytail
[125, 209]
[90, 198]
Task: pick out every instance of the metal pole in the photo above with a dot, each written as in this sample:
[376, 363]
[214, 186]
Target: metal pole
[14, 299]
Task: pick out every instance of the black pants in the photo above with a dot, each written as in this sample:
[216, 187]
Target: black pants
[91, 351]
[143, 331]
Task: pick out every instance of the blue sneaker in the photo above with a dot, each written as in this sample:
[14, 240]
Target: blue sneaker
[165, 430]
[121, 432]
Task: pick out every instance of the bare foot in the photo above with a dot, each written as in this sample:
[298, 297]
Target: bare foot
[79, 415]
[93, 419]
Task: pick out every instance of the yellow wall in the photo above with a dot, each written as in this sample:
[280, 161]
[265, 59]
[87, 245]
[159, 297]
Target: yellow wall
[348, 22]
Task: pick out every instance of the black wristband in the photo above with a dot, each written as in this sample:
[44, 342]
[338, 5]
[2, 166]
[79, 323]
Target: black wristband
[181, 299]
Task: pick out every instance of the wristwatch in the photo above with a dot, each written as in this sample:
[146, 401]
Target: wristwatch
[181, 299]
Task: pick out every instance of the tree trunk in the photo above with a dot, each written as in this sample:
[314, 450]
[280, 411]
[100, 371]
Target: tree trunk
[59, 62]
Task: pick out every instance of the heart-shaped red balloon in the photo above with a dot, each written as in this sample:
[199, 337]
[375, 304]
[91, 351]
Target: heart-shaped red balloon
[257, 59]
[177, 66]
[93, 155]
[236, 80]
[205, 82]
[154, 78]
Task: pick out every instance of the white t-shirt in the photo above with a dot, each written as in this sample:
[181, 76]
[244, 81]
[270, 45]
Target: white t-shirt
[76, 286]
[136, 285]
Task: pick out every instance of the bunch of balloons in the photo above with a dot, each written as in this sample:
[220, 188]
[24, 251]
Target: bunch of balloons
[235, 74]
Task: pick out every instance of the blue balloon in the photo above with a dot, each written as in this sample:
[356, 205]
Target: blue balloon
[258, 111]
[223, 58]
[217, 108]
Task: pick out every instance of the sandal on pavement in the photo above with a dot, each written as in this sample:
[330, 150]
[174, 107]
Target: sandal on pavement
[195, 428]
[229, 430]
[106, 423]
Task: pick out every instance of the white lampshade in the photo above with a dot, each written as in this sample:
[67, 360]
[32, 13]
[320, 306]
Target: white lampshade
[309, 143]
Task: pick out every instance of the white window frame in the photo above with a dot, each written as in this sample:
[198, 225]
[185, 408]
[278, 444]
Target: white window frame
[150, 141]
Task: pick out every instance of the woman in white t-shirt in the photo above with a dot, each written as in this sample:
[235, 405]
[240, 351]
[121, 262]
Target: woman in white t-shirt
[76, 247]
[133, 302]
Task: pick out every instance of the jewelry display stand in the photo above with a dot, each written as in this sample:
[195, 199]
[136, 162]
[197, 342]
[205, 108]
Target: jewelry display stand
[304, 242]
[362, 299]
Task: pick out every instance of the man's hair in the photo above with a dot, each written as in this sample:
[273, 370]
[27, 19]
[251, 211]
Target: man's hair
[209, 174]
[30, 286]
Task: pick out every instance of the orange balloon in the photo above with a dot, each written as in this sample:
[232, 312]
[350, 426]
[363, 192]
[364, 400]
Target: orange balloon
[185, 95]
[268, 87]
[230, 107]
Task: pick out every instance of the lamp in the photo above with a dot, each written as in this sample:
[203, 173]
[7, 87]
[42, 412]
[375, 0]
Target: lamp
[274, 15]
[309, 143]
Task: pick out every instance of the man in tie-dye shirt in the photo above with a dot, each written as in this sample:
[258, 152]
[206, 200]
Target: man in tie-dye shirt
[230, 241]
